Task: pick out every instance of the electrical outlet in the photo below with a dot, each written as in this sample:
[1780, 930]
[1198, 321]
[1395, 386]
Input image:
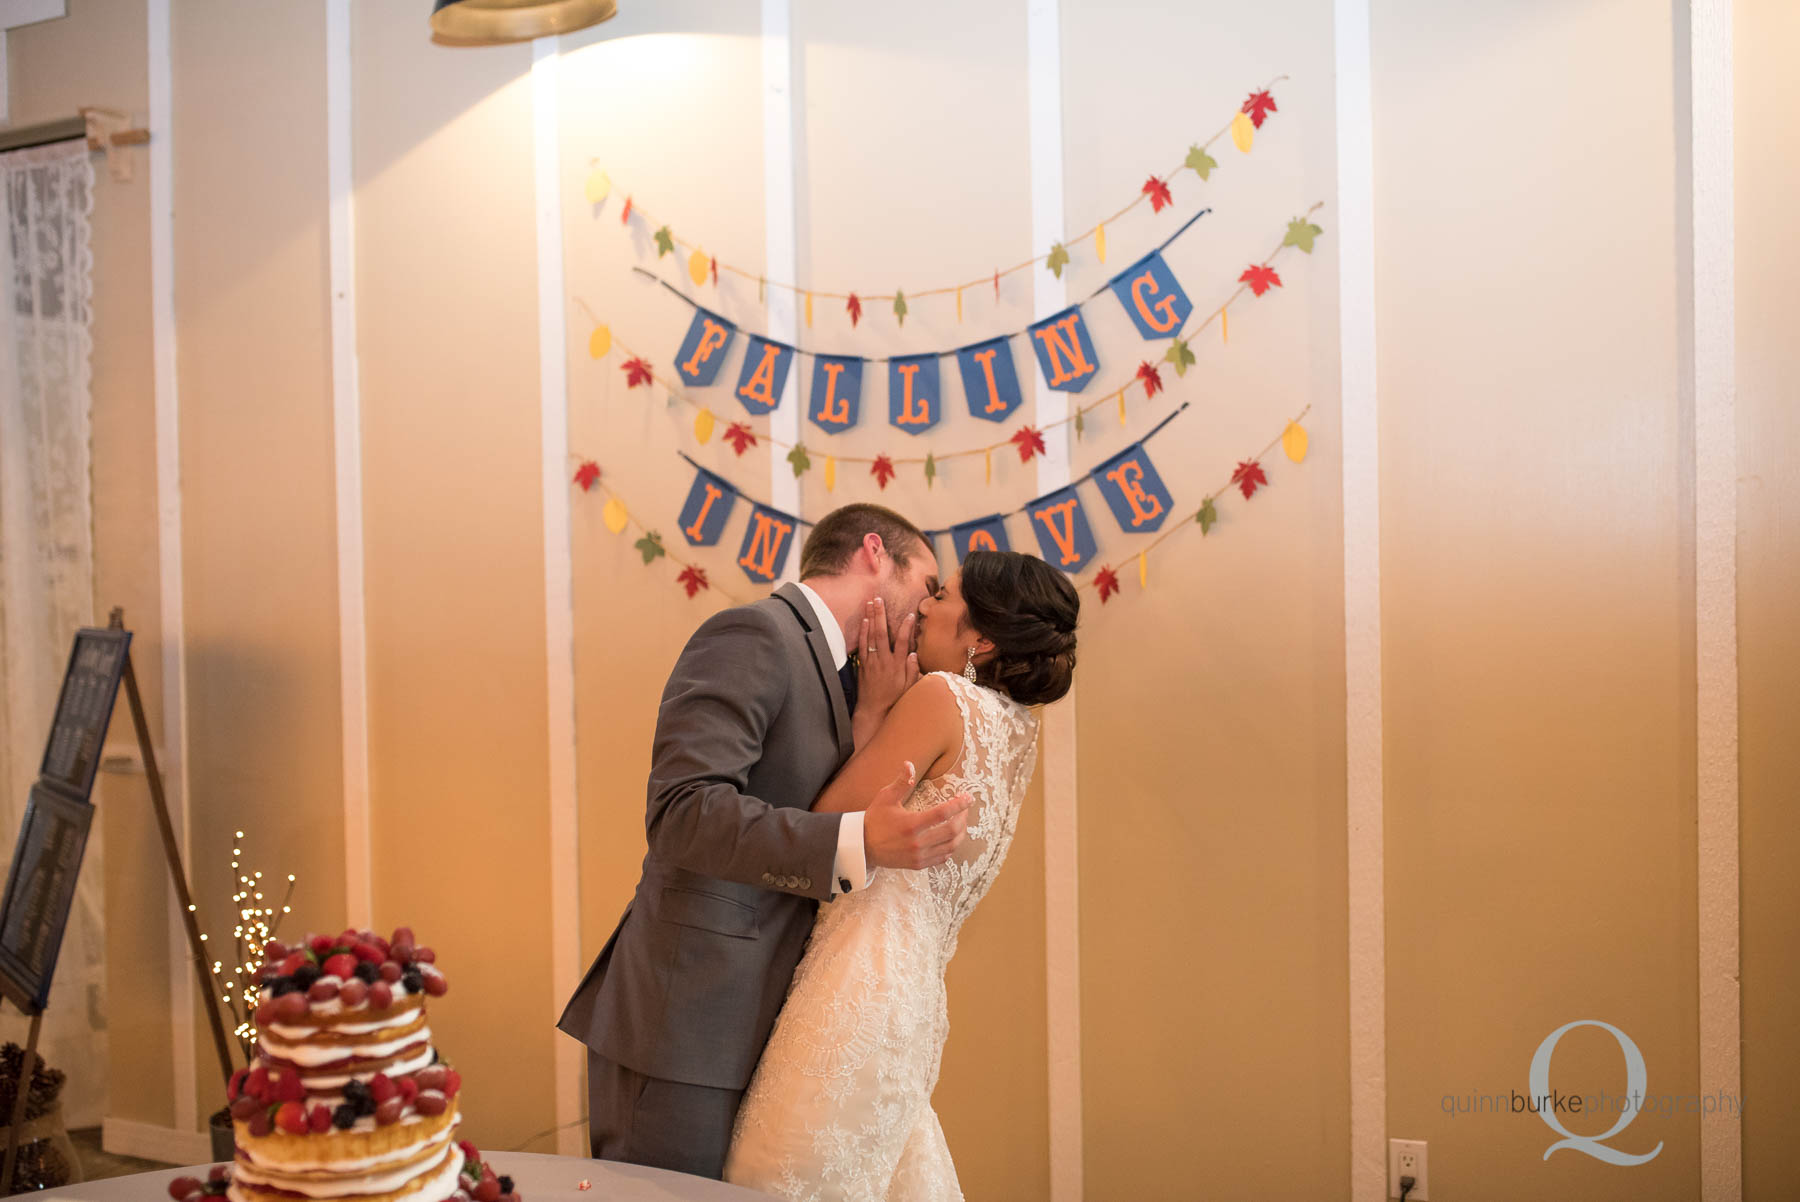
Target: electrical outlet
[1406, 1158]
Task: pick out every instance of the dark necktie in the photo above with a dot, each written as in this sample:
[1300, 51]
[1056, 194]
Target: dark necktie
[847, 674]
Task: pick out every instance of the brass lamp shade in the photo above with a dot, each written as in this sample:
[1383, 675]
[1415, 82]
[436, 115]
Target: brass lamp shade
[492, 22]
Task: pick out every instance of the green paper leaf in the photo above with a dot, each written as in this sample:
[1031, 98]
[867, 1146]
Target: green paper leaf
[1207, 516]
[1301, 233]
[900, 306]
[650, 547]
[665, 242]
[1179, 354]
[1200, 162]
[1080, 423]
[1059, 258]
[930, 468]
[801, 460]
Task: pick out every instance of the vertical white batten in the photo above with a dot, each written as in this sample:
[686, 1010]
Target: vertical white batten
[559, 593]
[168, 534]
[1062, 900]
[346, 415]
[1362, 603]
[780, 242]
[1711, 191]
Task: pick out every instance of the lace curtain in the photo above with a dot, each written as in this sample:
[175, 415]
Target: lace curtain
[47, 557]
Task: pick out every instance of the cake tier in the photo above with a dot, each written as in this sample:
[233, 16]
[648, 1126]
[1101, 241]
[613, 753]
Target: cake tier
[407, 1160]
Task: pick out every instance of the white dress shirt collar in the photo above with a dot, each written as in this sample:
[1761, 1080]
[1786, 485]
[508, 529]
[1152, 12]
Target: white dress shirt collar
[834, 633]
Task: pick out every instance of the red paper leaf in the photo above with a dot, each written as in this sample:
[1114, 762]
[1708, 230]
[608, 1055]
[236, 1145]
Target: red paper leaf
[1151, 377]
[637, 371]
[1260, 278]
[1158, 192]
[740, 436]
[1106, 581]
[692, 579]
[1029, 442]
[588, 475]
[882, 470]
[625, 213]
[715, 272]
[1248, 475]
[1259, 106]
[996, 283]
[854, 308]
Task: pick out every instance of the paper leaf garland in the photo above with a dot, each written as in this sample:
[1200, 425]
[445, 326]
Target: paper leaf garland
[1248, 475]
[637, 371]
[692, 579]
[587, 475]
[1260, 278]
[1293, 441]
[900, 306]
[703, 426]
[801, 461]
[1259, 106]
[665, 242]
[697, 268]
[1106, 583]
[1242, 132]
[1158, 192]
[1029, 442]
[600, 342]
[1152, 379]
[854, 308]
[1301, 233]
[1199, 162]
[650, 547]
[615, 515]
[1180, 356]
[740, 436]
[598, 185]
[1057, 260]
[1207, 516]
[882, 470]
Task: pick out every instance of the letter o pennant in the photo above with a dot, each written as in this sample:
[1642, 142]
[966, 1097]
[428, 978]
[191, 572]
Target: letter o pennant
[981, 534]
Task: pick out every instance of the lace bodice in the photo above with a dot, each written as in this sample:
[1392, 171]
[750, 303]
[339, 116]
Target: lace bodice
[839, 1107]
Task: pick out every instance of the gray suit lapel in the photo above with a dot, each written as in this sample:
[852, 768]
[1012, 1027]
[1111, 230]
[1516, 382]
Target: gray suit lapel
[821, 652]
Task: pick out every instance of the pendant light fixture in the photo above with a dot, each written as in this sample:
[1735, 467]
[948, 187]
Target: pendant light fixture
[493, 22]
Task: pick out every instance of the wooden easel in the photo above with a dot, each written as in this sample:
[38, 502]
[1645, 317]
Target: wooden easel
[27, 1066]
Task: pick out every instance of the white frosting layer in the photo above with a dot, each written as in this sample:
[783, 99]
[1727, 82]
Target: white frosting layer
[308, 1055]
[398, 1069]
[291, 1032]
[441, 1183]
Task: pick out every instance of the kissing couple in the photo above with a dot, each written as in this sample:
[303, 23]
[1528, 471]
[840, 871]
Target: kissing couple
[836, 778]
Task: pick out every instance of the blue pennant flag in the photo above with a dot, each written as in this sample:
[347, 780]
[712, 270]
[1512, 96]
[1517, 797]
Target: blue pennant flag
[1152, 297]
[1063, 533]
[914, 402]
[703, 350]
[980, 534]
[1133, 490]
[708, 508]
[766, 543]
[1064, 351]
[989, 380]
[764, 374]
[836, 396]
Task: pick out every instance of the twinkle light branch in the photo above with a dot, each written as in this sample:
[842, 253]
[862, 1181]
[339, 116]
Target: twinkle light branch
[258, 920]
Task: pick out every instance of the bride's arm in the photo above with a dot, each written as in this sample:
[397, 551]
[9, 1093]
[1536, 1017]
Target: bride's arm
[924, 728]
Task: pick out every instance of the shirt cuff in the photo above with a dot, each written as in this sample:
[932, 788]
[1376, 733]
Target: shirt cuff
[849, 870]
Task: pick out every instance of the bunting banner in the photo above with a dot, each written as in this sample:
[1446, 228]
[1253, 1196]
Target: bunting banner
[1133, 490]
[836, 392]
[1152, 299]
[709, 505]
[764, 374]
[914, 400]
[703, 350]
[766, 542]
[982, 534]
[1064, 537]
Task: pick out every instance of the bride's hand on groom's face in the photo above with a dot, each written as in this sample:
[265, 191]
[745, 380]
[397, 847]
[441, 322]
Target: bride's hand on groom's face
[895, 837]
[884, 669]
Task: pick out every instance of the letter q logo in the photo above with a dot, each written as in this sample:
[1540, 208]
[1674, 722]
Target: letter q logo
[1635, 1080]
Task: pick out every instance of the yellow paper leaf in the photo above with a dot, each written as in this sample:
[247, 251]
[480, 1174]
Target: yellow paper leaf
[703, 426]
[697, 268]
[1293, 441]
[830, 473]
[614, 515]
[597, 186]
[809, 310]
[1100, 241]
[1121, 406]
[600, 341]
[1224, 326]
[1242, 132]
[959, 306]
[1143, 569]
[990, 467]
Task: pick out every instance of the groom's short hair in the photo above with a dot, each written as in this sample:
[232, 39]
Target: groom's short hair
[836, 536]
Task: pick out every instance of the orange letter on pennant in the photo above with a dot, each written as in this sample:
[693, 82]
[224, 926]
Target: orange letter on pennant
[986, 359]
[767, 538]
[1065, 537]
[760, 387]
[912, 413]
[981, 540]
[712, 494]
[1060, 340]
[1127, 476]
[1146, 285]
[712, 337]
[833, 411]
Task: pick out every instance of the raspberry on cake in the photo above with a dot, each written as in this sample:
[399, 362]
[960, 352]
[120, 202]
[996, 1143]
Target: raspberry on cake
[347, 1099]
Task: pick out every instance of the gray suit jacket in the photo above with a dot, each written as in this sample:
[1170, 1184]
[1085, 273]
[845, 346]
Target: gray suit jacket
[752, 726]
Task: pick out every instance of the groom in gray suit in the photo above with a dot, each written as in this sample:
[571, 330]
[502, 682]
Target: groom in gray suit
[755, 719]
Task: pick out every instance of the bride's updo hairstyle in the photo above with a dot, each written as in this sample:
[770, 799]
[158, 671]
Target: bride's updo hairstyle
[1027, 609]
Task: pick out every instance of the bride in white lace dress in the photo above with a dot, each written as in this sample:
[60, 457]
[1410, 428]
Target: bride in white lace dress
[840, 1105]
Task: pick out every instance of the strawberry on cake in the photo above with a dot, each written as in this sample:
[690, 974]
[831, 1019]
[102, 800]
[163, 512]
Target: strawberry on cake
[347, 1100]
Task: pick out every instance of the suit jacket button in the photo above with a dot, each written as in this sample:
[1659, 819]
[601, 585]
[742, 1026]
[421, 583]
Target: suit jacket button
[806, 882]
[768, 878]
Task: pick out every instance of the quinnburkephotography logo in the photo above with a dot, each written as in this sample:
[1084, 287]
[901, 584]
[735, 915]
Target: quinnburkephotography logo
[1550, 1105]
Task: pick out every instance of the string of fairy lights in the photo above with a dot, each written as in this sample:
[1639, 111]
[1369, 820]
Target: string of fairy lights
[257, 922]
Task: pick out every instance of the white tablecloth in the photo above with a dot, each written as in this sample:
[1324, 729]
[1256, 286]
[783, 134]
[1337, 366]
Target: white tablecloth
[537, 1178]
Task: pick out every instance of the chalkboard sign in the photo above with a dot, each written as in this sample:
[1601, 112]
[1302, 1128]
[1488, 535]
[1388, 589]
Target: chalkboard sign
[72, 756]
[40, 890]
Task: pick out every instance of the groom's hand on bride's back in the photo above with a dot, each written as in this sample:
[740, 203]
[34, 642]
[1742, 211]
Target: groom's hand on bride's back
[895, 837]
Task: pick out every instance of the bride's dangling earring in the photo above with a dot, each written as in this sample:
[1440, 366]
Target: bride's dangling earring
[969, 668]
